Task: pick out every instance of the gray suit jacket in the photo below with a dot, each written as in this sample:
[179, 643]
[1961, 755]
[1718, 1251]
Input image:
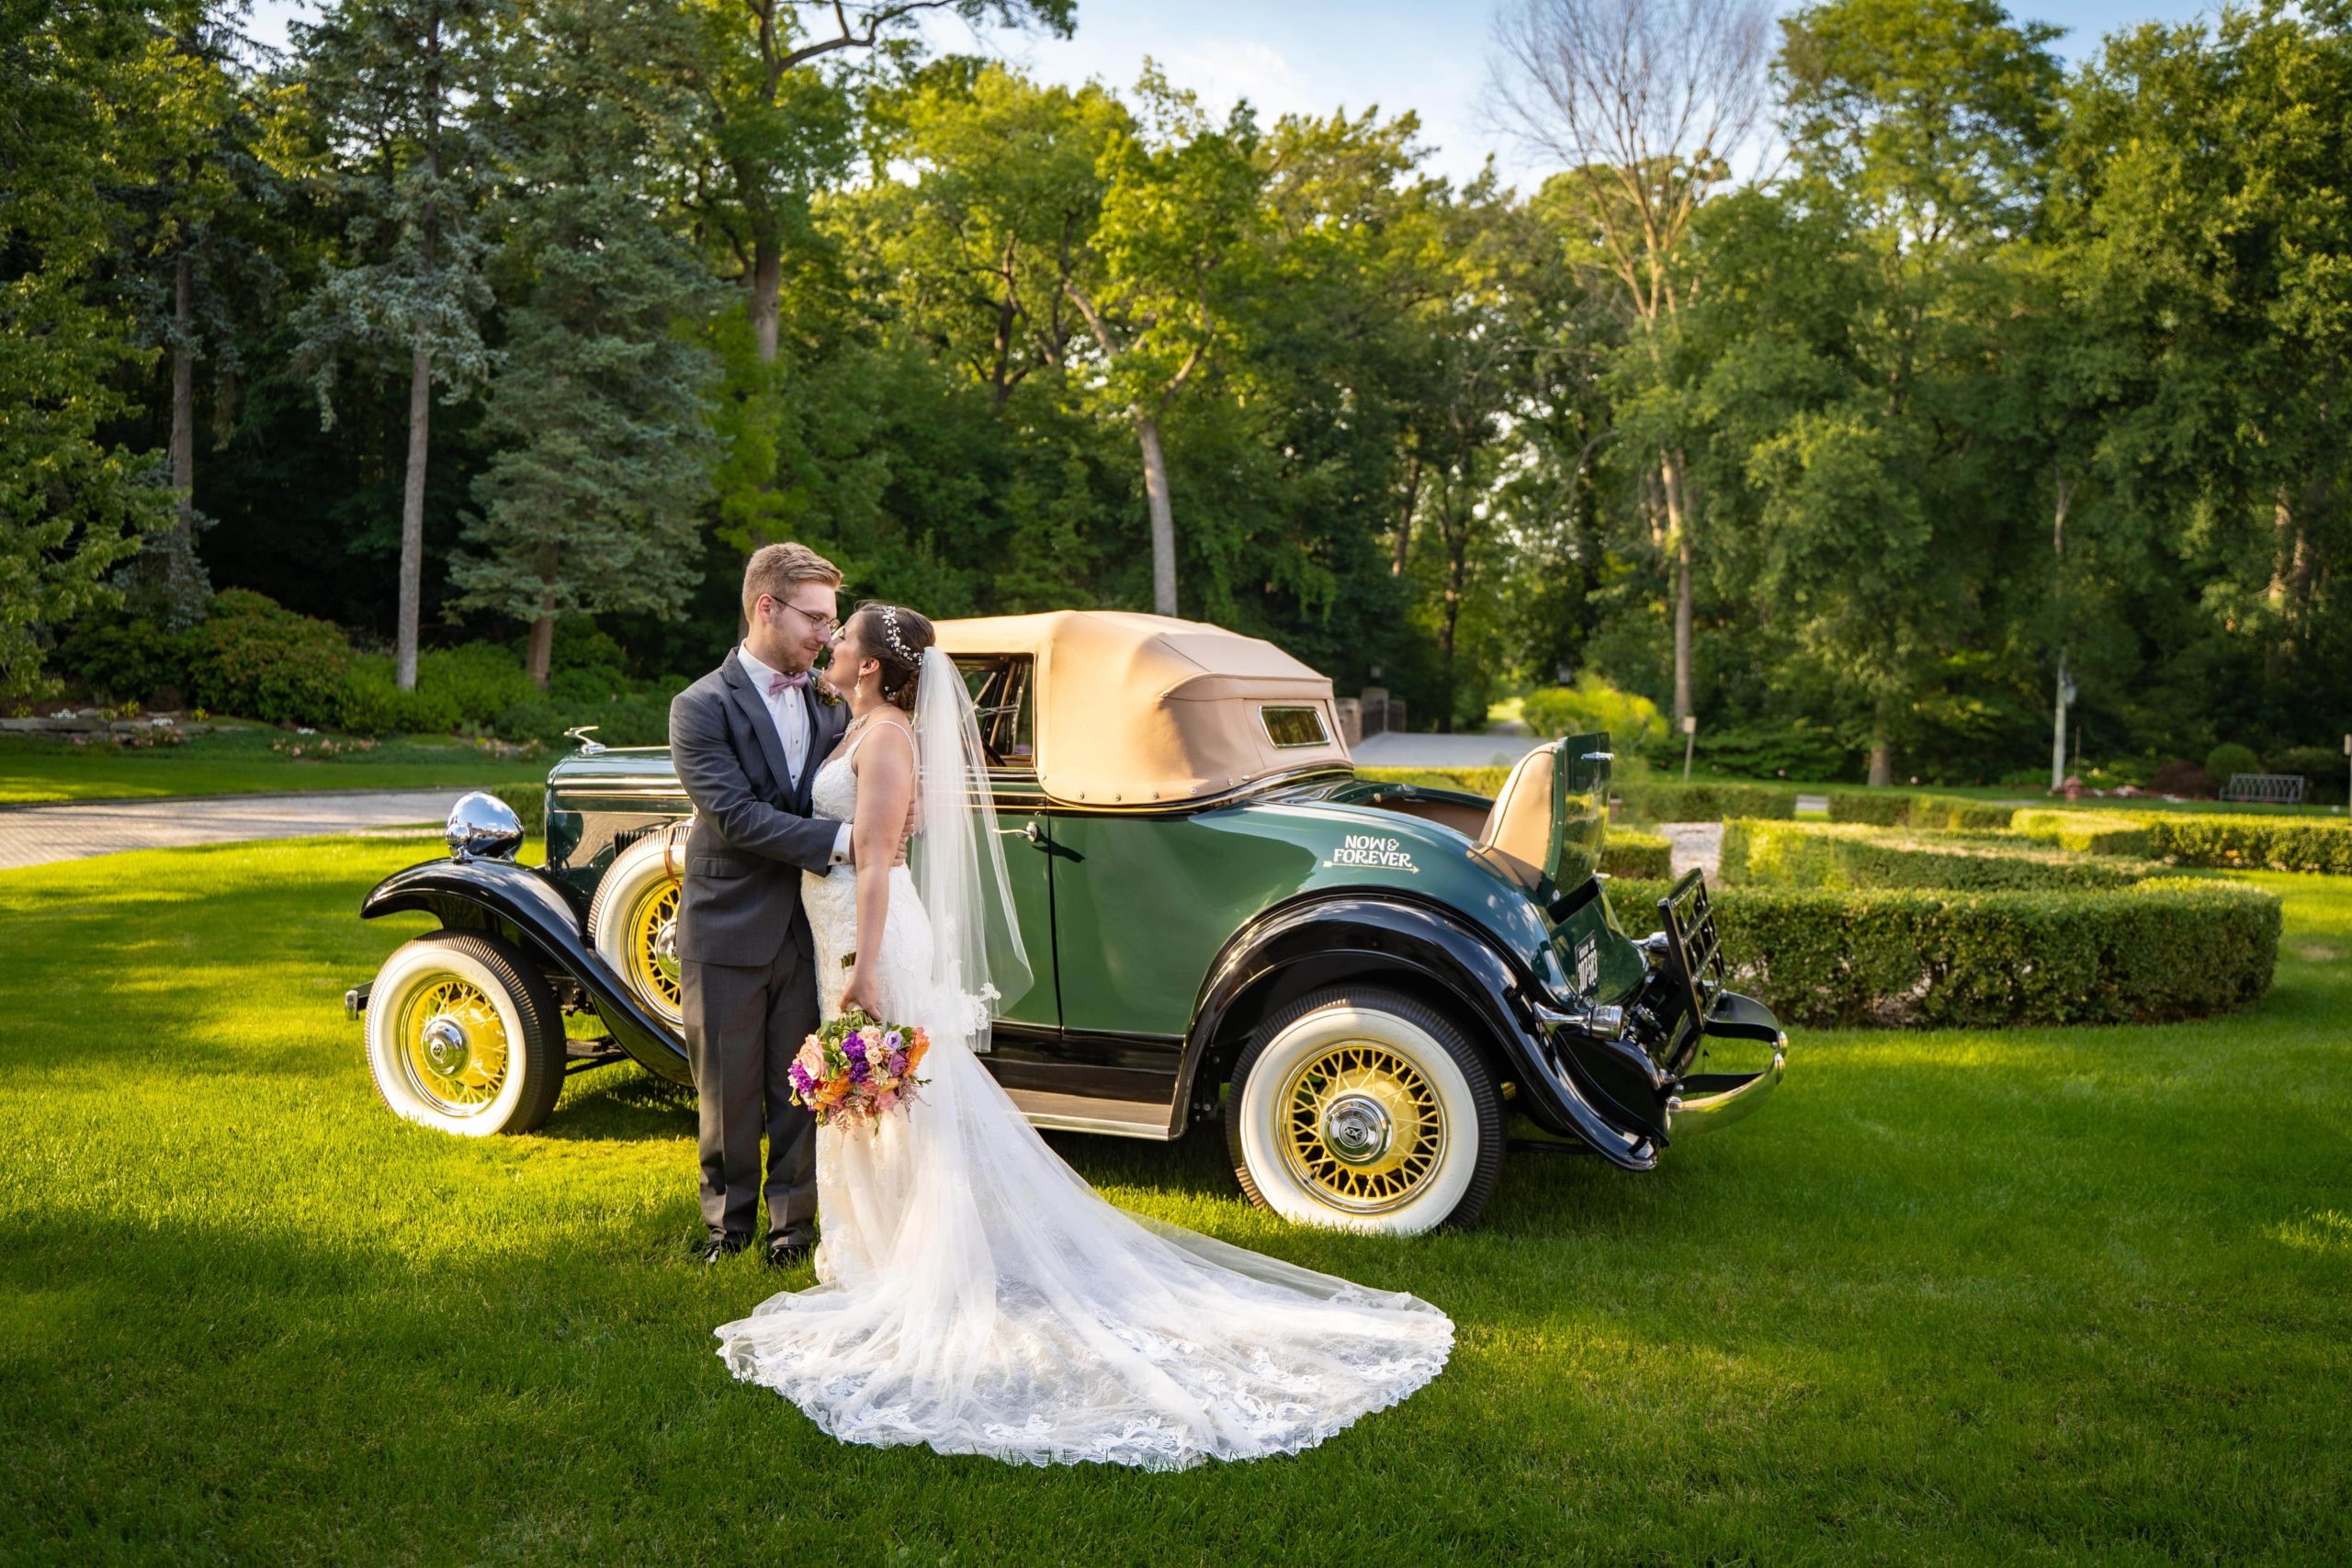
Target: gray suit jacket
[752, 835]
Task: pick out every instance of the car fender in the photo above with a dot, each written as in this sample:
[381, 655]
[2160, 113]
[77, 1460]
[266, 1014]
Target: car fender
[523, 905]
[1330, 937]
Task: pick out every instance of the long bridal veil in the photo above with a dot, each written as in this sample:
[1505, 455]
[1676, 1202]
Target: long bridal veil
[957, 858]
[978, 1296]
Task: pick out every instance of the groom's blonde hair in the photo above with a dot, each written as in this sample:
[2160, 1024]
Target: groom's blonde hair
[776, 570]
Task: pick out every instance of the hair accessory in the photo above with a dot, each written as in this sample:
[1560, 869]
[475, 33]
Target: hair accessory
[890, 634]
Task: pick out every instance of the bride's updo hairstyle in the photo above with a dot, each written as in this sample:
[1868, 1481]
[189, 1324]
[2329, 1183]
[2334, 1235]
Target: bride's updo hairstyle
[895, 637]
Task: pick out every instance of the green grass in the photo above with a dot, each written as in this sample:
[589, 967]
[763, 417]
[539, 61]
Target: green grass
[2036, 1296]
[35, 769]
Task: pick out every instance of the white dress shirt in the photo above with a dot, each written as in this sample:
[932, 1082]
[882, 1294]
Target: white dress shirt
[789, 709]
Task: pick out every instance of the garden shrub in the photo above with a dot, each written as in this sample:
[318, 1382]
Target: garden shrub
[2230, 757]
[1794, 747]
[2181, 778]
[1627, 853]
[372, 702]
[2086, 832]
[1794, 854]
[253, 658]
[1593, 706]
[123, 660]
[2322, 770]
[2161, 950]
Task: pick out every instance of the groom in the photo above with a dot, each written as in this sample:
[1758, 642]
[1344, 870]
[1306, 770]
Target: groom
[746, 741]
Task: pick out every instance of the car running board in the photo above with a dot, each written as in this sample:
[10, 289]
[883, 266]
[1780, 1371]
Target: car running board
[1152, 1119]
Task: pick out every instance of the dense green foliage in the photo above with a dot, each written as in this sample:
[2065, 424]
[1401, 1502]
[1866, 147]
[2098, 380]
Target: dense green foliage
[1888, 809]
[2011, 380]
[1939, 958]
[1630, 852]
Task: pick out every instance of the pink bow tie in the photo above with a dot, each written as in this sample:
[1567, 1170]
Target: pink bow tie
[779, 685]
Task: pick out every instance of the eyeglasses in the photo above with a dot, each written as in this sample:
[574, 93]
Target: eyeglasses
[825, 626]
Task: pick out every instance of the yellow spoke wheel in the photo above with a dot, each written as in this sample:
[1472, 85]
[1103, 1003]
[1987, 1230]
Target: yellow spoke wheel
[1364, 1128]
[464, 1035]
[653, 949]
[1365, 1109]
[453, 1044]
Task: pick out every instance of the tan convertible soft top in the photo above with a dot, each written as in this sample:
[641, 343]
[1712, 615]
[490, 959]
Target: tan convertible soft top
[1135, 710]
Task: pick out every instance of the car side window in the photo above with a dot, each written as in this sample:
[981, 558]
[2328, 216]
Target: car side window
[1000, 685]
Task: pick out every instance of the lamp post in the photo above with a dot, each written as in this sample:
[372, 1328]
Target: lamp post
[1690, 742]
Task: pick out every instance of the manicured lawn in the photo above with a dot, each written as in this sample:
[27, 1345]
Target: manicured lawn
[240, 763]
[2050, 1295]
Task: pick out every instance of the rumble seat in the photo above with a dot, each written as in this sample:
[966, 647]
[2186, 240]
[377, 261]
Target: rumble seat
[1519, 838]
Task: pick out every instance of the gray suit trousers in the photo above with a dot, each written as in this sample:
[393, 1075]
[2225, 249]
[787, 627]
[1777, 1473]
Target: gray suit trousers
[743, 1026]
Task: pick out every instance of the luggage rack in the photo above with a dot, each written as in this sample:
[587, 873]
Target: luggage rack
[1694, 958]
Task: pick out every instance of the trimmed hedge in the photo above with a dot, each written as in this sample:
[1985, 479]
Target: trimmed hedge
[2244, 840]
[1887, 809]
[530, 804]
[2162, 950]
[1670, 802]
[2227, 840]
[1849, 855]
[1642, 855]
[2086, 832]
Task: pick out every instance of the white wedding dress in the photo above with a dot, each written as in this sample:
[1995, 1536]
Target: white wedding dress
[977, 1296]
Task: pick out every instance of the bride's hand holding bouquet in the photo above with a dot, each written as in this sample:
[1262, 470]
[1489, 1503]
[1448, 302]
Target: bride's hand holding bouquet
[858, 1069]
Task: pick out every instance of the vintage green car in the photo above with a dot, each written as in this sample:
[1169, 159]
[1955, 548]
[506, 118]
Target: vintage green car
[1364, 979]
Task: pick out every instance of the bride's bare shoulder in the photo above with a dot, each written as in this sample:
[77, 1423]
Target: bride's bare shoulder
[894, 756]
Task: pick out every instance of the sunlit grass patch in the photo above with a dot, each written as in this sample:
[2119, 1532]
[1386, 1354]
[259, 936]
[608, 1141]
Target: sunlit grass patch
[1968, 1295]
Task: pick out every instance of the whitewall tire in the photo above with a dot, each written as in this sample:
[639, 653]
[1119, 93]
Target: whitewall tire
[1363, 1109]
[464, 1035]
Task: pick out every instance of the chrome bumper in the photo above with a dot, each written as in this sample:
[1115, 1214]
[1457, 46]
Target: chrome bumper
[1708, 1101]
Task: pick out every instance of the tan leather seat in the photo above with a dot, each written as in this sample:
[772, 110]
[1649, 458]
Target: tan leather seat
[1520, 839]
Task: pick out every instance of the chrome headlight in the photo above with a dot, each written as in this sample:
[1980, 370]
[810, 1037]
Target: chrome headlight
[482, 827]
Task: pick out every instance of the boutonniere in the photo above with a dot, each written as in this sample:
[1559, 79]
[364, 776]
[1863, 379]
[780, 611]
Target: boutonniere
[825, 693]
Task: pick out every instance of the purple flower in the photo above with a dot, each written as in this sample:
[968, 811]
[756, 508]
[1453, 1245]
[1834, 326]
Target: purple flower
[898, 1061]
[891, 1042]
[801, 1081]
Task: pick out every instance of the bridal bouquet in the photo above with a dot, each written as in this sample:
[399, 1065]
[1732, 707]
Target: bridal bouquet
[856, 1069]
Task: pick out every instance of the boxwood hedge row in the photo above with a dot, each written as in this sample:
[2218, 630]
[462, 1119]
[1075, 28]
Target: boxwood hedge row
[2162, 950]
[1887, 809]
[2228, 840]
[1846, 855]
[1625, 852]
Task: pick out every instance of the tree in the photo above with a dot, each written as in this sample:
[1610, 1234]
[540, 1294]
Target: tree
[73, 504]
[1649, 104]
[597, 405]
[402, 89]
[209, 272]
[773, 129]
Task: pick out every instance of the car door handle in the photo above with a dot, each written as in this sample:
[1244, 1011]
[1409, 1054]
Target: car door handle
[1037, 840]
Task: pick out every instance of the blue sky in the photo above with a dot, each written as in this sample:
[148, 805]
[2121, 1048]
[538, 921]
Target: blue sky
[1312, 56]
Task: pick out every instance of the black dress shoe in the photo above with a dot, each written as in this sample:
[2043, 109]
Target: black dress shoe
[789, 1253]
[721, 1246]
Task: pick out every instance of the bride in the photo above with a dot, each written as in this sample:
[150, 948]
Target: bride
[975, 1293]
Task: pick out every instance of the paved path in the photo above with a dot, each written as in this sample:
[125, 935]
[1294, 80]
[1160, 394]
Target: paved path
[36, 835]
[1695, 843]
